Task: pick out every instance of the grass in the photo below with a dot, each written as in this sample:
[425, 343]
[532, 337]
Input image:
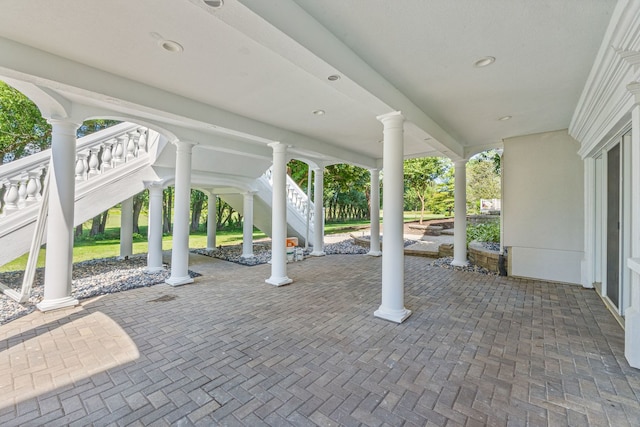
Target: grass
[87, 249]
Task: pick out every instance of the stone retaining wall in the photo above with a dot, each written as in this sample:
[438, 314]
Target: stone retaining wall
[483, 257]
[482, 219]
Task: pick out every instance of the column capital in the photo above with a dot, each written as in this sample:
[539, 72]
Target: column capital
[184, 145]
[460, 163]
[278, 147]
[634, 88]
[394, 117]
[68, 125]
[249, 193]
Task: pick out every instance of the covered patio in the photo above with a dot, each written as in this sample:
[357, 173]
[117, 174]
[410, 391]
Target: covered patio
[228, 350]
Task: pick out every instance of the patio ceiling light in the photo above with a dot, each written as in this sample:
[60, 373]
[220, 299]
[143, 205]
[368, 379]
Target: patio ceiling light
[484, 62]
[319, 112]
[333, 77]
[171, 46]
[216, 4]
[505, 118]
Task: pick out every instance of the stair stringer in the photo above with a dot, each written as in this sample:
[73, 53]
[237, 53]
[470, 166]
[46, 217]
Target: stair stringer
[92, 198]
[296, 223]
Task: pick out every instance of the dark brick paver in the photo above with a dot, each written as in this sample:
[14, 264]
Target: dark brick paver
[232, 350]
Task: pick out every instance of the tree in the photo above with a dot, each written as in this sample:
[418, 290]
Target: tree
[23, 130]
[140, 201]
[421, 176]
[198, 198]
[483, 182]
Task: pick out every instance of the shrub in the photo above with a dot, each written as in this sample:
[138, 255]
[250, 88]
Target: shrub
[487, 232]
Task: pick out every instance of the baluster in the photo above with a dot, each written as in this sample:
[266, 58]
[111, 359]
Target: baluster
[118, 151]
[142, 143]
[34, 186]
[11, 195]
[132, 145]
[22, 190]
[107, 155]
[93, 162]
[81, 166]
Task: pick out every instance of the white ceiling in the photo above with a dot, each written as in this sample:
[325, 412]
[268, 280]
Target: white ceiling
[268, 61]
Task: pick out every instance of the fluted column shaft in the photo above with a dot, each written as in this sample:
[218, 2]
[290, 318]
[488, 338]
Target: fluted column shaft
[374, 243]
[247, 225]
[279, 217]
[212, 221]
[460, 218]
[59, 260]
[180, 247]
[392, 306]
[154, 230]
[318, 212]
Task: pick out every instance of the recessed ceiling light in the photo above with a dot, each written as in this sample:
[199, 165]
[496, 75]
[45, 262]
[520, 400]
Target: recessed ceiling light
[483, 62]
[333, 77]
[319, 112]
[505, 118]
[216, 4]
[171, 46]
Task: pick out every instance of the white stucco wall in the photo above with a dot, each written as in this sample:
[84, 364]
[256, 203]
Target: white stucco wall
[543, 206]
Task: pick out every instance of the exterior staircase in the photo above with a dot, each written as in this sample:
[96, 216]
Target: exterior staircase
[112, 165]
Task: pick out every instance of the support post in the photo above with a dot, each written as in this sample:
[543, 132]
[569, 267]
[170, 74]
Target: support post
[59, 261]
[180, 247]
[318, 213]
[212, 222]
[279, 217]
[154, 230]
[392, 306]
[247, 225]
[126, 228]
[374, 242]
[460, 218]
[632, 313]
[306, 237]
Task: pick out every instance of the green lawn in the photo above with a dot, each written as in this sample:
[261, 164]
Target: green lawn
[109, 247]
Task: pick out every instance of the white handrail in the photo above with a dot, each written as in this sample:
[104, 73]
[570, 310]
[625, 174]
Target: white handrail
[296, 198]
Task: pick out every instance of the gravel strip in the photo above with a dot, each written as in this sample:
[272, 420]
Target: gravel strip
[446, 263]
[90, 278]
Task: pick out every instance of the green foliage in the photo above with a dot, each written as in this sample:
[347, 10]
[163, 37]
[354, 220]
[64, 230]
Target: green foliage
[485, 232]
[23, 131]
[483, 182]
[423, 179]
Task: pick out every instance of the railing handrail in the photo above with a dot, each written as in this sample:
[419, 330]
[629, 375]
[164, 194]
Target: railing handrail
[295, 196]
[41, 158]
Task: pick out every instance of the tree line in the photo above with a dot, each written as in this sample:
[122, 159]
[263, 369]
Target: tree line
[429, 182]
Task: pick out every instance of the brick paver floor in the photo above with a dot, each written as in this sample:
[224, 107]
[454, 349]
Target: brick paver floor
[232, 350]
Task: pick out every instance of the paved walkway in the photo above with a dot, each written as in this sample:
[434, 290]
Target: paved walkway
[231, 350]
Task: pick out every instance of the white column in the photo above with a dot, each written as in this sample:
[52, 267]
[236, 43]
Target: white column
[392, 307]
[306, 237]
[279, 217]
[180, 247]
[154, 230]
[587, 264]
[632, 313]
[59, 261]
[247, 225]
[212, 221]
[374, 244]
[318, 212]
[126, 228]
[460, 217]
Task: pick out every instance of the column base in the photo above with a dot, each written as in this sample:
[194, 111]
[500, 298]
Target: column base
[179, 281]
[397, 316]
[57, 303]
[123, 257]
[317, 253]
[212, 249]
[374, 253]
[278, 281]
[631, 334]
[457, 263]
[247, 256]
[151, 270]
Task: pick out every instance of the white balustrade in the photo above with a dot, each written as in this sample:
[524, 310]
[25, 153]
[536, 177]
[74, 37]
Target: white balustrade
[21, 181]
[296, 198]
